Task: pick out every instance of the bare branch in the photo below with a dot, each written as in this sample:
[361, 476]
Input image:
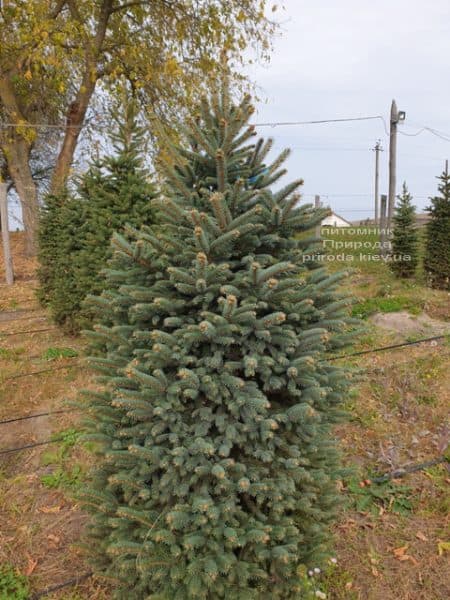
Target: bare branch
[128, 5]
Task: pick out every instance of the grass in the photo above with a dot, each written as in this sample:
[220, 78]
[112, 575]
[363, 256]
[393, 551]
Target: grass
[64, 474]
[54, 353]
[11, 353]
[371, 306]
[63, 478]
[439, 501]
[337, 583]
[13, 585]
[390, 496]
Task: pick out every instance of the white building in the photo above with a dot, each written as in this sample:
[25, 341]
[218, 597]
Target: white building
[334, 220]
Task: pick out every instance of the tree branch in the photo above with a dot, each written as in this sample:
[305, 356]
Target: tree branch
[58, 9]
[128, 5]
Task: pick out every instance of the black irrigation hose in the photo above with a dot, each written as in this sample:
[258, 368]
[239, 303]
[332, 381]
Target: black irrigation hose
[20, 312]
[70, 366]
[401, 345]
[59, 586]
[29, 446]
[16, 319]
[397, 473]
[44, 414]
[26, 332]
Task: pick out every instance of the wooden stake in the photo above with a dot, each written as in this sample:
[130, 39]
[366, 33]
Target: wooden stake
[9, 273]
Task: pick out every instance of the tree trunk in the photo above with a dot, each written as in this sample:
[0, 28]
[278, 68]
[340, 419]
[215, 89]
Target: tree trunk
[17, 156]
[77, 110]
[75, 118]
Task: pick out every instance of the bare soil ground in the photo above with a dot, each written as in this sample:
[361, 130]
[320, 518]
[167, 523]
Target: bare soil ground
[392, 541]
[406, 324]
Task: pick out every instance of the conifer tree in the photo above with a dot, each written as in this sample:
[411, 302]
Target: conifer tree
[49, 244]
[404, 241]
[216, 469]
[437, 247]
[115, 191]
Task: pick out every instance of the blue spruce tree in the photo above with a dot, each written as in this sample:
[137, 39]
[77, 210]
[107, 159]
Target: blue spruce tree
[217, 467]
[437, 239]
[405, 238]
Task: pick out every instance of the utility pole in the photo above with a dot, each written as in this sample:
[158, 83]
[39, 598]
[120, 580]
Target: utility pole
[317, 205]
[396, 117]
[383, 219]
[9, 273]
[377, 151]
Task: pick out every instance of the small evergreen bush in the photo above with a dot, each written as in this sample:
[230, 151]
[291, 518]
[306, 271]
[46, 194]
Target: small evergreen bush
[437, 247]
[217, 467]
[405, 237]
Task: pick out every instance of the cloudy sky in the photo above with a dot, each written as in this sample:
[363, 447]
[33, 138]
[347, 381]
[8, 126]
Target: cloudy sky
[350, 58]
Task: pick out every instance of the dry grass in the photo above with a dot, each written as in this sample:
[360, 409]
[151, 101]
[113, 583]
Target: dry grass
[39, 526]
[398, 415]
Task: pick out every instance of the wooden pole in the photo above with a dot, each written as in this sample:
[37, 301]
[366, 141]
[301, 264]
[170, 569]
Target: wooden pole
[392, 162]
[9, 273]
[317, 205]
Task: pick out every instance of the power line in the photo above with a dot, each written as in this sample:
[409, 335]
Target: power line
[329, 149]
[436, 132]
[317, 122]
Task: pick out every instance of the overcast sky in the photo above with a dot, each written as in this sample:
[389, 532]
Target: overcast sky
[350, 58]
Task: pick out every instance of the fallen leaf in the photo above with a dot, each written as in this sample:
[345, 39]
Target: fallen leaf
[53, 538]
[30, 566]
[421, 536]
[400, 551]
[349, 585]
[375, 572]
[50, 509]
